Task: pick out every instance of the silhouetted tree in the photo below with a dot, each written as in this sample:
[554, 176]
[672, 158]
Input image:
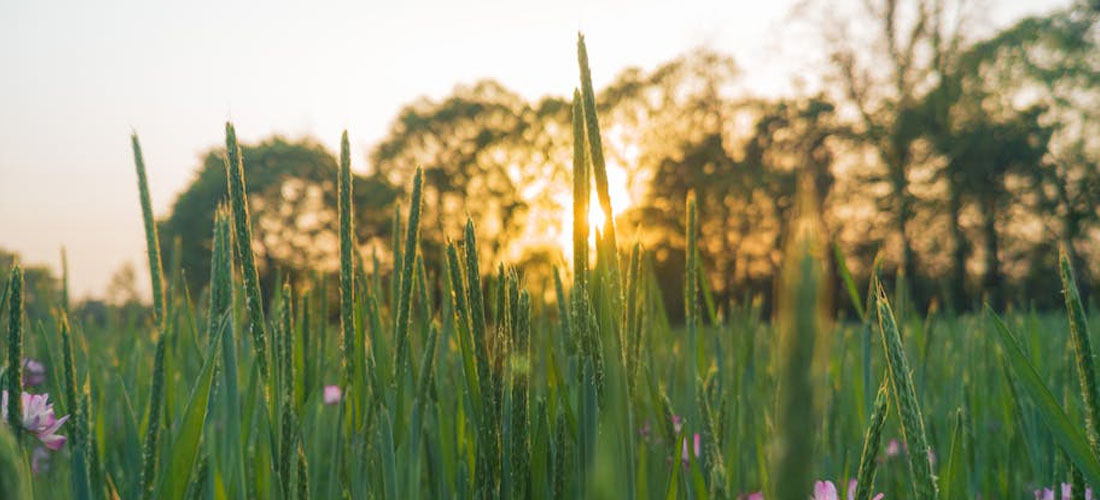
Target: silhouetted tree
[292, 201]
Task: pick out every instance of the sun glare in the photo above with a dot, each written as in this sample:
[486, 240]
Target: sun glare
[620, 202]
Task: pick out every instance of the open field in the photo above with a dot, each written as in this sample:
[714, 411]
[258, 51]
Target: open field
[458, 376]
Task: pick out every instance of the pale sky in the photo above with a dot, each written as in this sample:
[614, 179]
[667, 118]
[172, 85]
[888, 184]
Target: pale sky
[77, 77]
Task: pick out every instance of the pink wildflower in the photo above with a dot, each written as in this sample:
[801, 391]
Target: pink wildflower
[893, 449]
[697, 447]
[40, 460]
[34, 372]
[332, 394]
[1066, 490]
[38, 418]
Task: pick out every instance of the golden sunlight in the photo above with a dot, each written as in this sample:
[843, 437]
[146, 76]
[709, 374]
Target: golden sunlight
[620, 201]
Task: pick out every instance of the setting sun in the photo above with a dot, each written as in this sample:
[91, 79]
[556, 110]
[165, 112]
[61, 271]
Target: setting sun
[618, 189]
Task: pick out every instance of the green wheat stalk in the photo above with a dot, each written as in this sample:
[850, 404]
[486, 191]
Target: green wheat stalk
[712, 451]
[234, 168]
[287, 445]
[476, 304]
[156, 273]
[64, 280]
[691, 287]
[221, 300]
[221, 272]
[412, 241]
[901, 384]
[521, 334]
[198, 486]
[152, 432]
[347, 288]
[303, 473]
[395, 285]
[80, 484]
[15, 351]
[1082, 350]
[486, 476]
[868, 460]
[580, 195]
[595, 142]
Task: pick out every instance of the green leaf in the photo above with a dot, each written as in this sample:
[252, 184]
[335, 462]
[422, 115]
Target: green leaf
[1065, 433]
[181, 458]
[849, 283]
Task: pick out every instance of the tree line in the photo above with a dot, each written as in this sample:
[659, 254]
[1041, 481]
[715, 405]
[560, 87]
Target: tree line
[960, 164]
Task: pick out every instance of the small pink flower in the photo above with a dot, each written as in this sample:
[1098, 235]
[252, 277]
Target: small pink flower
[696, 446]
[40, 460]
[893, 449]
[38, 418]
[1066, 490]
[824, 490]
[332, 394]
[34, 372]
[677, 423]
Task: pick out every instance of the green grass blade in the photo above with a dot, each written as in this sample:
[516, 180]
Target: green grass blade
[152, 430]
[64, 281]
[185, 448]
[869, 458]
[901, 383]
[849, 283]
[1065, 433]
[954, 484]
[15, 479]
[389, 467]
[80, 484]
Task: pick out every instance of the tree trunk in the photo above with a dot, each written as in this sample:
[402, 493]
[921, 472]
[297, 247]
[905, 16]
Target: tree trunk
[993, 283]
[960, 253]
[908, 257]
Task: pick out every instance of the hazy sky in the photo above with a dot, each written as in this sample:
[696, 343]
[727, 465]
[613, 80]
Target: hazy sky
[77, 77]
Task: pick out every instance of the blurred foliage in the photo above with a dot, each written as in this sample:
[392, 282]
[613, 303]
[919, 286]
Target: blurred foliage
[951, 157]
[291, 187]
[41, 289]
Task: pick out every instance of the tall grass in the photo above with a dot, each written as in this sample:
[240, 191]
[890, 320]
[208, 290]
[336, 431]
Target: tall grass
[905, 396]
[152, 243]
[14, 372]
[242, 235]
[462, 378]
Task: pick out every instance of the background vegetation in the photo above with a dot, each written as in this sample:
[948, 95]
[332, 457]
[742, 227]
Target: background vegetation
[855, 284]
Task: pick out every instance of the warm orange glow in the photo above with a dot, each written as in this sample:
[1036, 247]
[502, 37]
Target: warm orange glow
[620, 202]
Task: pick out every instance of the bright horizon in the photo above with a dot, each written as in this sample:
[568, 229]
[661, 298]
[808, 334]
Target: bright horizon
[78, 78]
